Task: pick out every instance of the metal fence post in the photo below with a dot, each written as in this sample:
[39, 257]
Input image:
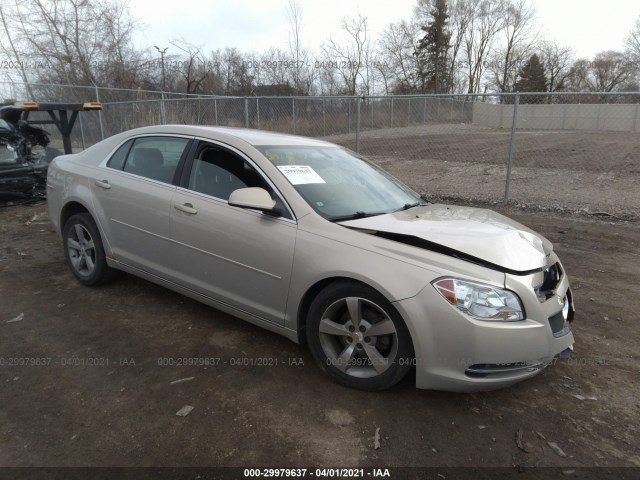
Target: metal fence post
[293, 114]
[82, 132]
[424, 112]
[246, 113]
[163, 113]
[258, 111]
[215, 109]
[358, 102]
[512, 147]
[391, 112]
[324, 118]
[99, 112]
[371, 102]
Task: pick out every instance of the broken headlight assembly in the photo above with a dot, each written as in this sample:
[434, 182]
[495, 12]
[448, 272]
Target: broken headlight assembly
[482, 302]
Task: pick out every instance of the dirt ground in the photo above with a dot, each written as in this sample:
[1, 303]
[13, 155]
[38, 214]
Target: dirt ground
[86, 376]
[565, 171]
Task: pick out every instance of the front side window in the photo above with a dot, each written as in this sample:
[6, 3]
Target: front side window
[218, 172]
[338, 183]
[156, 158]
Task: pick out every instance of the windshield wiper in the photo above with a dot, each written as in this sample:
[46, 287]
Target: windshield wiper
[425, 201]
[354, 216]
[407, 206]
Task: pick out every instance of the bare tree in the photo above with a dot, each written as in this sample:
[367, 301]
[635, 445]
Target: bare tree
[397, 45]
[461, 15]
[610, 69]
[487, 22]
[299, 62]
[632, 42]
[519, 38]
[578, 78]
[557, 63]
[79, 40]
[12, 50]
[122, 62]
[605, 73]
[213, 83]
[191, 67]
[381, 71]
[275, 67]
[349, 60]
[238, 76]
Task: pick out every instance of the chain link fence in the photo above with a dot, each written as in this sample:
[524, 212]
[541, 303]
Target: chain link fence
[571, 152]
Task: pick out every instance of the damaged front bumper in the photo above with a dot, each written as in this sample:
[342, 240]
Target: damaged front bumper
[455, 352]
[23, 180]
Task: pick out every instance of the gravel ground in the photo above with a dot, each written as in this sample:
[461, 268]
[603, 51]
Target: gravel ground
[103, 392]
[92, 376]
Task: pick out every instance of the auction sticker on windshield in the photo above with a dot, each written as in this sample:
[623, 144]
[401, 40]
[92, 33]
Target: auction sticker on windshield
[300, 174]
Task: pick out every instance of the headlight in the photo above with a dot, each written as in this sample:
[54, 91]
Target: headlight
[483, 302]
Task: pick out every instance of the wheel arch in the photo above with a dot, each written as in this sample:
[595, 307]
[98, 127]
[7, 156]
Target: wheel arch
[316, 288]
[71, 208]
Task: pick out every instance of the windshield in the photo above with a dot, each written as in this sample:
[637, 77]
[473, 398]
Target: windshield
[339, 184]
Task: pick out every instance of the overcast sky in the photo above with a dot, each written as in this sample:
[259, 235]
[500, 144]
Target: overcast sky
[588, 26]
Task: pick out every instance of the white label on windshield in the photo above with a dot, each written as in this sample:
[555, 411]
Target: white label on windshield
[300, 174]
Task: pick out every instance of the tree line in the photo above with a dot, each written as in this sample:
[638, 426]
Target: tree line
[447, 46]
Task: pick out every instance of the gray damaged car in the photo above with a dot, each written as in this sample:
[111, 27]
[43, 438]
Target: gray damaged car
[24, 154]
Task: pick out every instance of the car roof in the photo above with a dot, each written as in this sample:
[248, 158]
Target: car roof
[250, 136]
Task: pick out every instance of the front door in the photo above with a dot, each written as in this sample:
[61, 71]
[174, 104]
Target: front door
[240, 257]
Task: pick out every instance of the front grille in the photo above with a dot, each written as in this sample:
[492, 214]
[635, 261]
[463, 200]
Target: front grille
[551, 279]
[559, 324]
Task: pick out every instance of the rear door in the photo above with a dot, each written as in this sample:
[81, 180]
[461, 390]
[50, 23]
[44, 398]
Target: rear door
[133, 192]
[242, 258]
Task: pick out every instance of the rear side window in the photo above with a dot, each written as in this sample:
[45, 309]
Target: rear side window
[118, 158]
[155, 157]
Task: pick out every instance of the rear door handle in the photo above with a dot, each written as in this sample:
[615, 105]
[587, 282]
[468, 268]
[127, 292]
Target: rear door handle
[103, 184]
[186, 208]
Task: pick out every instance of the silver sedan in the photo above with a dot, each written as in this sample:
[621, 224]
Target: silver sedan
[312, 241]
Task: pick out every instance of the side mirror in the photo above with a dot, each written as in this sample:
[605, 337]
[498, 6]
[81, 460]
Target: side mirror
[252, 197]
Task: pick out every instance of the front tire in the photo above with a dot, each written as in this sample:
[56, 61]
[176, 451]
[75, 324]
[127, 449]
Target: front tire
[358, 338]
[84, 251]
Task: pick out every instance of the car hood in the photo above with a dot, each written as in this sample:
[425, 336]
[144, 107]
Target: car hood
[477, 235]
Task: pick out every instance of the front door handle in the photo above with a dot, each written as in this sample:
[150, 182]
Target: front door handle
[186, 208]
[103, 184]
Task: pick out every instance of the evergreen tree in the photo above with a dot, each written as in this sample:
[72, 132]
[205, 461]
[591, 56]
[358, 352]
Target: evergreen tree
[532, 77]
[432, 51]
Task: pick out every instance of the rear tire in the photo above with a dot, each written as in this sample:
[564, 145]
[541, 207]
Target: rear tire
[358, 338]
[84, 251]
